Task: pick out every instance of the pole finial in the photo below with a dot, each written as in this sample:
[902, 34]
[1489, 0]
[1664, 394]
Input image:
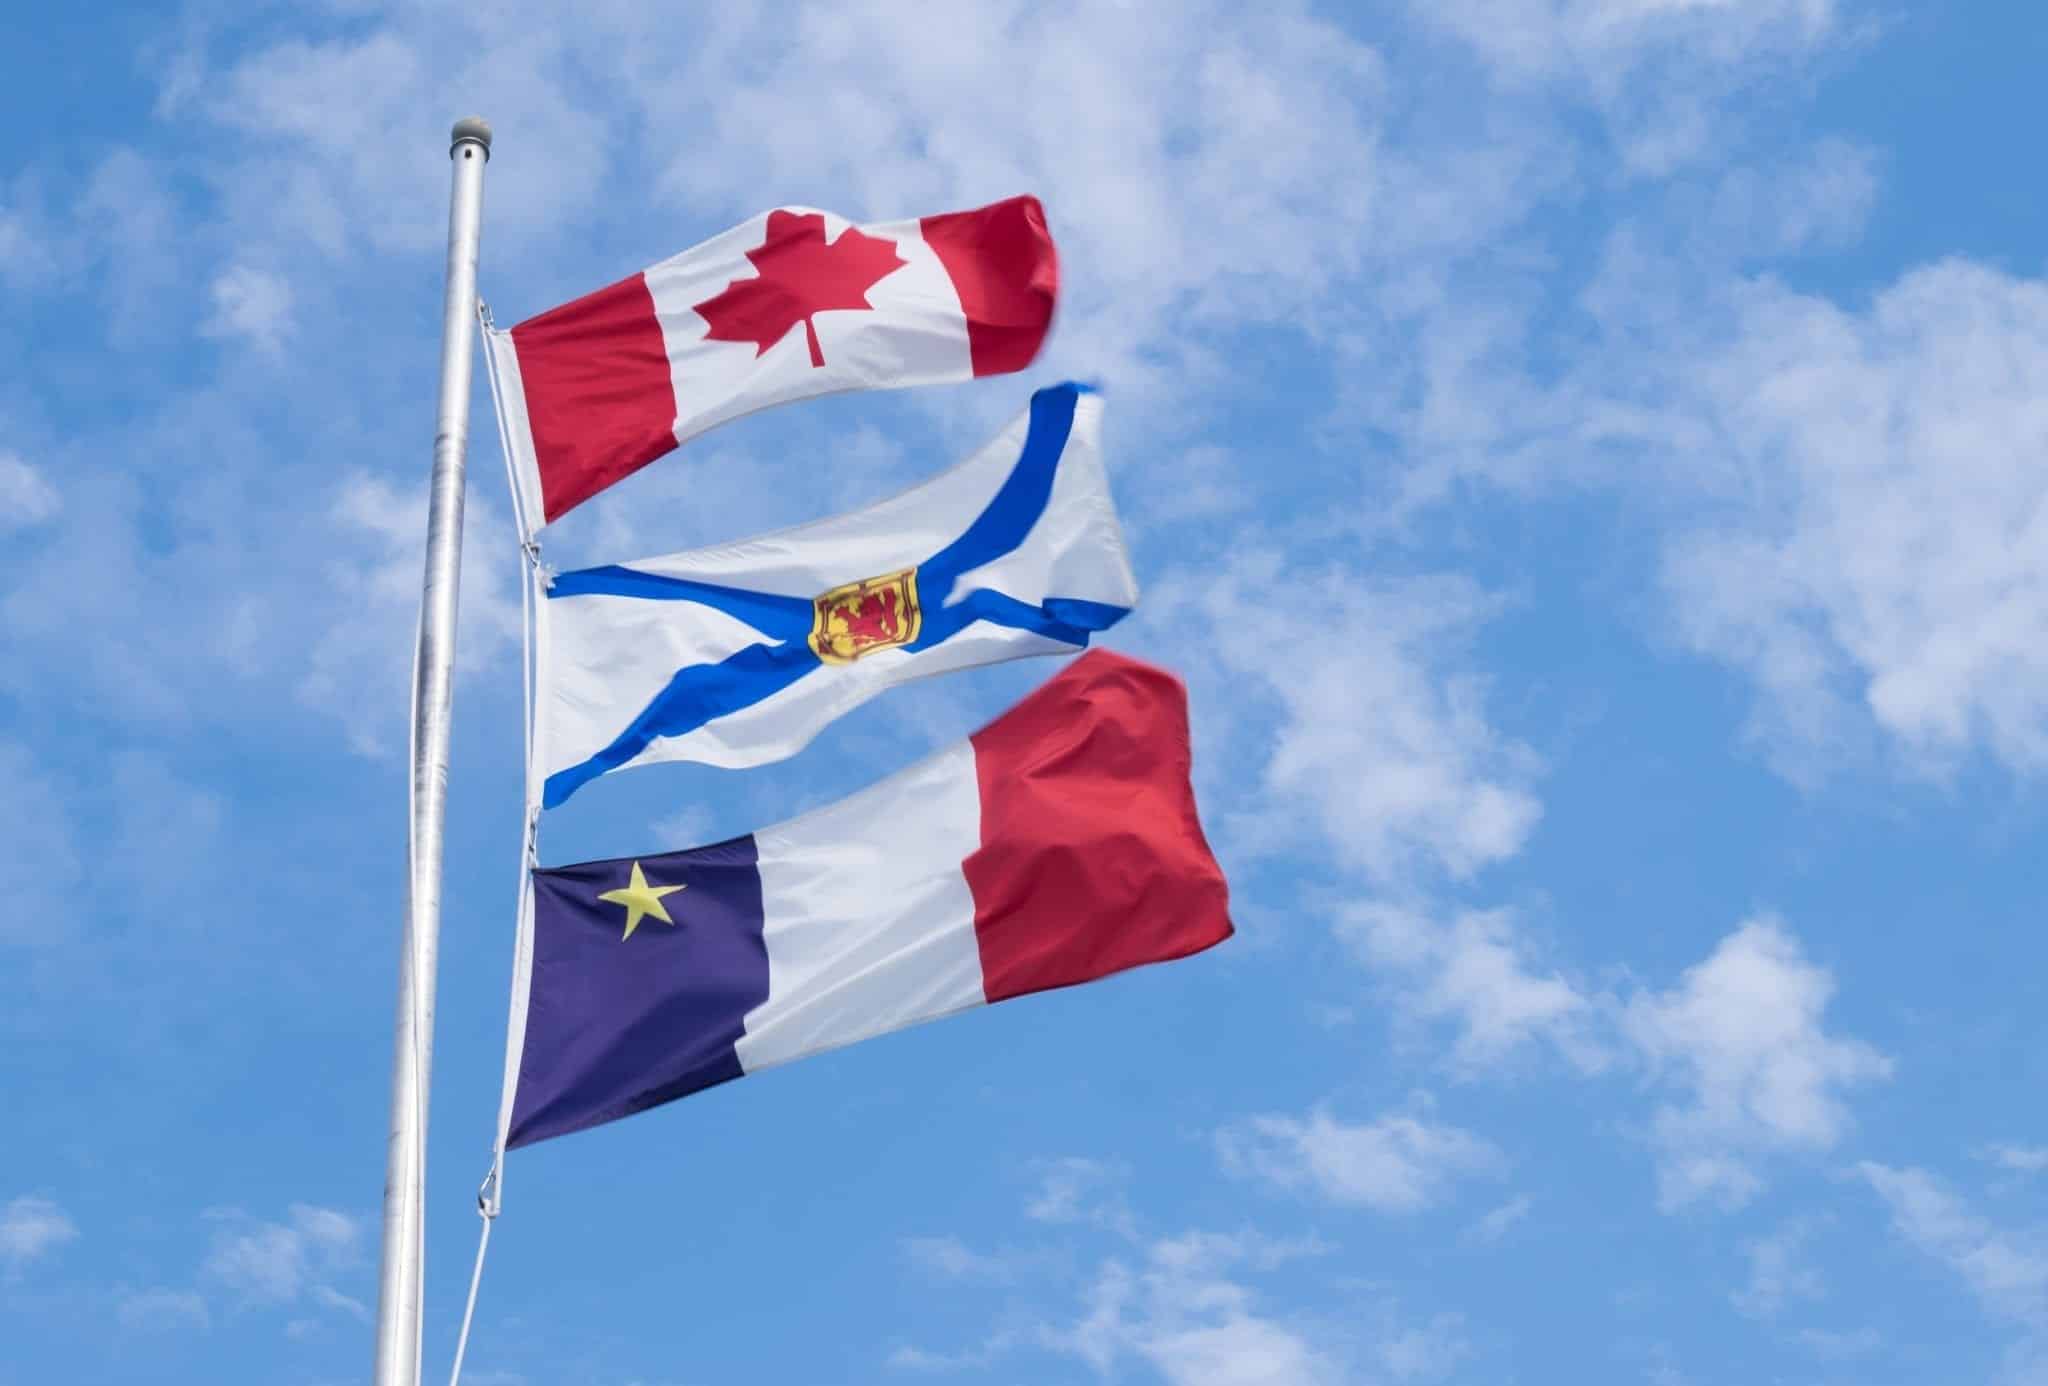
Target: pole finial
[474, 129]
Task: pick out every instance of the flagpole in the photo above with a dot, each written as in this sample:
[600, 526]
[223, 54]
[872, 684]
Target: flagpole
[401, 1274]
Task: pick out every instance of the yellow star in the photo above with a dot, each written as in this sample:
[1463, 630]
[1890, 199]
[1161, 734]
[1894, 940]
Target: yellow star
[640, 900]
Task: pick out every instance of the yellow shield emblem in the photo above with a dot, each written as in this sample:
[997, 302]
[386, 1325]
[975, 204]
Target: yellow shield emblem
[858, 618]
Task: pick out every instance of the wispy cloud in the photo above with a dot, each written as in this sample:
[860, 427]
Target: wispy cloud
[329, 1298]
[950, 1259]
[31, 1228]
[1779, 1272]
[279, 1263]
[252, 304]
[26, 259]
[2021, 1159]
[1476, 970]
[2005, 1268]
[1742, 1036]
[26, 496]
[1496, 1224]
[1886, 568]
[910, 1358]
[1190, 1309]
[378, 573]
[1424, 786]
[1833, 1346]
[162, 1309]
[1185, 1306]
[1662, 72]
[39, 859]
[1395, 1164]
[1076, 1189]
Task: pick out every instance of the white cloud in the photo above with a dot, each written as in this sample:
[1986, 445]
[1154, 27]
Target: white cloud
[686, 827]
[1850, 507]
[1741, 1034]
[1424, 1351]
[949, 1258]
[254, 304]
[2022, 1159]
[39, 860]
[1665, 74]
[1778, 1273]
[331, 1298]
[339, 149]
[1496, 1224]
[27, 498]
[1475, 971]
[909, 1357]
[1396, 1164]
[1832, 1346]
[1075, 1189]
[31, 1228]
[1741, 1038]
[1546, 36]
[1811, 197]
[162, 1309]
[1190, 1310]
[2007, 1270]
[204, 596]
[1881, 552]
[1380, 741]
[1238, 1349]
[1182, 1313]
[25, 262]
[365, 646]
[1184, 1309]
[275, 1263]
[131, 223]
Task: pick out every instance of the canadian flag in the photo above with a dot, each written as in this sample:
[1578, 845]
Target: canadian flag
[792, 303]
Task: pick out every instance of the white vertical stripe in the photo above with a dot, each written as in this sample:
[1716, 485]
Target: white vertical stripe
[867, 918]
[517, 428]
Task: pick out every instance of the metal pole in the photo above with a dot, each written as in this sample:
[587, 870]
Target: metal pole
[402, 1273]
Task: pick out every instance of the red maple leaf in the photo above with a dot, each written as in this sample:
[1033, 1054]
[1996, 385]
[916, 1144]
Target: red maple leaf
[800, 274]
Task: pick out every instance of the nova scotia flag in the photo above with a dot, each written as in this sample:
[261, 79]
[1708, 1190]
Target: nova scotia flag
[740, 655]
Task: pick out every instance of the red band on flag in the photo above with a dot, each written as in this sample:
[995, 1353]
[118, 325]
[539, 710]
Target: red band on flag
[1002, 263]
[1092, 859]
[599, 396]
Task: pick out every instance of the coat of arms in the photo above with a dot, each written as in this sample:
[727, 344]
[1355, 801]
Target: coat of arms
[858, 618]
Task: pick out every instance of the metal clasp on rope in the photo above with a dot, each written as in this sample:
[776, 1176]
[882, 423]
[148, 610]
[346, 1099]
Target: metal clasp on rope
[487, 1204]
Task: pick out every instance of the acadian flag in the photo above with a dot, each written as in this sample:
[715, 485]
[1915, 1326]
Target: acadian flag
[740, 655]
[792, 303]
[1057, 845]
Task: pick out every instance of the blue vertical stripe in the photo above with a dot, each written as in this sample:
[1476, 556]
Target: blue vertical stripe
[616, 1025]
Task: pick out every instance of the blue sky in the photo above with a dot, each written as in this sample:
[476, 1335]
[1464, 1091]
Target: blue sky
[1585, 456]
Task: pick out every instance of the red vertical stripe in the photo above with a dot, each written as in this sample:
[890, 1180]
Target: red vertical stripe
[598, 393]
[1003, 265]
[1091, 858]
